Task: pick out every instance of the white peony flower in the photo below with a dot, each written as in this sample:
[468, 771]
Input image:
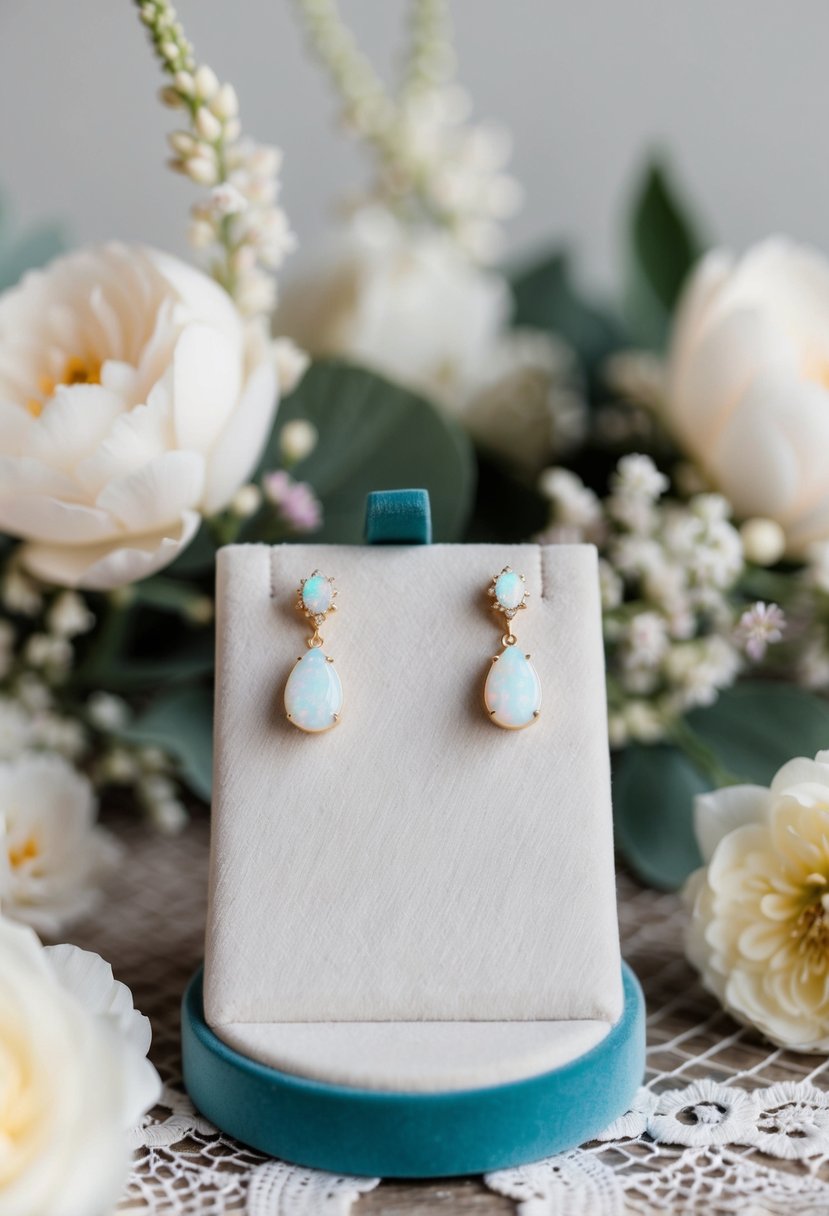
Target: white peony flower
[748, 384]
[52, 854]
[411, 305]
[759, 928]
[76, 1079]
[134, 399]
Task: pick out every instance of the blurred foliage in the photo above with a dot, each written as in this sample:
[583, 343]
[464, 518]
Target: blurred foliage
[746, 735]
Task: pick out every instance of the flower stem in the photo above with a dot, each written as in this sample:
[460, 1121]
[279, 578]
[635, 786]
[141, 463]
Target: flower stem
[700, 754]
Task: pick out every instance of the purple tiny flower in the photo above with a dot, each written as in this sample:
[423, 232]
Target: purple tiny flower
[295, 501]
[759, 627]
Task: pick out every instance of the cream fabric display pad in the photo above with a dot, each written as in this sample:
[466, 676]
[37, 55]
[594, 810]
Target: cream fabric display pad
[415, 899]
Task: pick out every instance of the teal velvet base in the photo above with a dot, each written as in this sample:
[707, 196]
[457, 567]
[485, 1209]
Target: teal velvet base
[404, 1135]
[398, 517]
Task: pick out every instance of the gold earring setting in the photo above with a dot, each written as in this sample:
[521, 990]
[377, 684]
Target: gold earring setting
[512, 693]
[314, 693]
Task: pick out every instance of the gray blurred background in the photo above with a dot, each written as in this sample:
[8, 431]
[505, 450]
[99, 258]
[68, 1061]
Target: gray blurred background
[736, 93]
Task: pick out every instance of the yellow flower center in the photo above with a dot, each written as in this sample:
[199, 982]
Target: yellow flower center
[811, 931]
[27, 851]
[76, 371]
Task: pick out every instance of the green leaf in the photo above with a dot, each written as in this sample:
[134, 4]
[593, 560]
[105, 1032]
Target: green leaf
[756, 726]
[750, 731]
[180, 722]
[375, 435]
[19, 254]
[653, 799]
[545, 298]
[663, 245]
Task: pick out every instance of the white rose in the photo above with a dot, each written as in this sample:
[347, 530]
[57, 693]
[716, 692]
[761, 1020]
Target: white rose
[411, 305]
[748, 384]
[134, 399]
[52, 854]
[759, 928]
[75, 1078]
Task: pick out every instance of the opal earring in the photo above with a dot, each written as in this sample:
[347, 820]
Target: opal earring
[314, 694]
[512, 693]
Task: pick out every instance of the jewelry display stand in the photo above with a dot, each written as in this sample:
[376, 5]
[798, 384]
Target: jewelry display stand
[412, 963]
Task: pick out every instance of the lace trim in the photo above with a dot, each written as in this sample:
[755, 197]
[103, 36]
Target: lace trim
[705, 1147]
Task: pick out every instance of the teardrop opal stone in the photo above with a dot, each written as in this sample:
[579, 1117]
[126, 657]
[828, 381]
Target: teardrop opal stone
[313, 694]
[512, 693]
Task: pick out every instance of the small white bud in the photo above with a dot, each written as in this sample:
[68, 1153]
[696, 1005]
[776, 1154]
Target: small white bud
[291, 365]
[206, 82]
[764, 541]
[182, 143]
[153, 759]
[246, 501]
[69, 615]
[297, 439]
[170, 51]
[225, 103]
[233, 129]
[107, 712]
[184, 83]
[207, 124]
[225, 199]
[201, 234]
[200, 610]
[201, 170]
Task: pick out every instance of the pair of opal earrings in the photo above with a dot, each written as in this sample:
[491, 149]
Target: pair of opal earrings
[314, 692]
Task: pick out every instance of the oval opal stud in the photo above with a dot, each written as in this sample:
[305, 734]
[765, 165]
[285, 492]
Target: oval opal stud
[314, 692]
[512, 692]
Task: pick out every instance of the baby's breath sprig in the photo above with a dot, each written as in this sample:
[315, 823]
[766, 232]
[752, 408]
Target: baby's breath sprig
[432, 164]
[239, 220]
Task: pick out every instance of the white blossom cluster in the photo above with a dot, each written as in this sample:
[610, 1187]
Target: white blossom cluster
[239, 219]
[38, 712]
[432, 163]
[673, 632]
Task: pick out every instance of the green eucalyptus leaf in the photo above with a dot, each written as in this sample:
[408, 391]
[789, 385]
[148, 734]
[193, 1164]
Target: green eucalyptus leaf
[663, 245]
[749, 732]
[180, 722]
[756, 726]
[653, 800]
[545, 298]
[36, 248]
[375, 435]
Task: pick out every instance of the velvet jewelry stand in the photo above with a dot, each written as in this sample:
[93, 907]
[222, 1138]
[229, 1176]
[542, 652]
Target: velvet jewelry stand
[412, 964]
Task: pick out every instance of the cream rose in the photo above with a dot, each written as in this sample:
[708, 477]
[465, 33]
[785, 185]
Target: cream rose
[74, 1079]
[759, 927]
[411, 305]
[52, 853]
[748, 384]
[134, 399]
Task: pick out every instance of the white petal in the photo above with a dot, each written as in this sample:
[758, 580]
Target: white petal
[801, 771]
[771, 448]
[238, 448]
[202, 298]
[206, 384]
[89, 978]
[73, 423]
[136, 438]
[105, 567]
[157, 494]
[728, 357]
[721, 811]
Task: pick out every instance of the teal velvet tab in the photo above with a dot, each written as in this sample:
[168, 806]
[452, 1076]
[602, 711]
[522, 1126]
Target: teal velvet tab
[413, 1135]
[398, 517]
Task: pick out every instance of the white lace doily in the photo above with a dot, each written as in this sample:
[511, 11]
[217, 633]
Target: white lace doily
[726, 1123]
